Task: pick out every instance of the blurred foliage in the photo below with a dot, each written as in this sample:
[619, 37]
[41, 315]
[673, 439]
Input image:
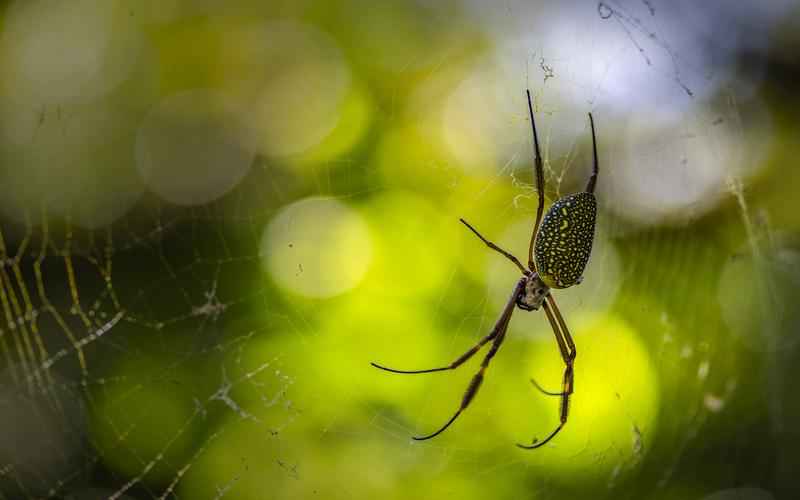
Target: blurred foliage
[216, 343]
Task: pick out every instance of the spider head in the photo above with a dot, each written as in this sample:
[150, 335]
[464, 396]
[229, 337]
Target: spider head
[534, 293]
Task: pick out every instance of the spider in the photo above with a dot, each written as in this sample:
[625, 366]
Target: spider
[557, 255]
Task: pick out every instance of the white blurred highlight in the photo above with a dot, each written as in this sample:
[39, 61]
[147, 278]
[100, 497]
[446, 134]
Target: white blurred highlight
[661, 80]
[675, 166]
[72, 160]
[483, 120]
[61, 51]
[64, 140]
[632, 55]
[194, 147]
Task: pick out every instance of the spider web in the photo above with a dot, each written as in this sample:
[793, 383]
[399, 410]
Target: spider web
[69, 323]
[144, 353]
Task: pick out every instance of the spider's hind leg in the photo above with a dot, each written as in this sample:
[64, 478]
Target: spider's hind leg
[568, 353]
[543, 390]
[567, 387]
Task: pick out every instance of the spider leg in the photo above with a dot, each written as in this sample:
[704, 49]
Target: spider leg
[593, 177]
[472, 389]
[544, 391]
[452, 366]
[536, 443]
[567, 347]
[537, 163]
[563, 325]
[565, 343]
[475, 383]
[567, 387]
[499, 326]
[497, 248]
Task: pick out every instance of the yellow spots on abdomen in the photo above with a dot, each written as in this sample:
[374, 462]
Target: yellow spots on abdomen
[564, 241]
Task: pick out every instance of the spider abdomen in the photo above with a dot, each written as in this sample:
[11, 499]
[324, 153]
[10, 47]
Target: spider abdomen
[564, 240]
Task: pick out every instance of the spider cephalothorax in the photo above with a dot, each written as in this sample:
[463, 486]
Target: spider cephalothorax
[562, 243]
[534, 293]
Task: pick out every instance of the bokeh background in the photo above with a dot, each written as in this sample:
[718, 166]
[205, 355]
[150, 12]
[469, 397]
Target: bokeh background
[214, 215]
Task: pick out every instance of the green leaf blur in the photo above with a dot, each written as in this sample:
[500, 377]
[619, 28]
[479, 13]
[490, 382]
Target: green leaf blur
[215, 215]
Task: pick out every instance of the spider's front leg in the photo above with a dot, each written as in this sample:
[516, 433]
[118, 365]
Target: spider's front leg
[496, 248]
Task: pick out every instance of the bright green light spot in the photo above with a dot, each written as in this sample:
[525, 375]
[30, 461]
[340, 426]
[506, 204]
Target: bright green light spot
[326, 371]
[355, 115]
[317, 247]
[415, 254]
[248, 462]
[613, 409]
[412, 156]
